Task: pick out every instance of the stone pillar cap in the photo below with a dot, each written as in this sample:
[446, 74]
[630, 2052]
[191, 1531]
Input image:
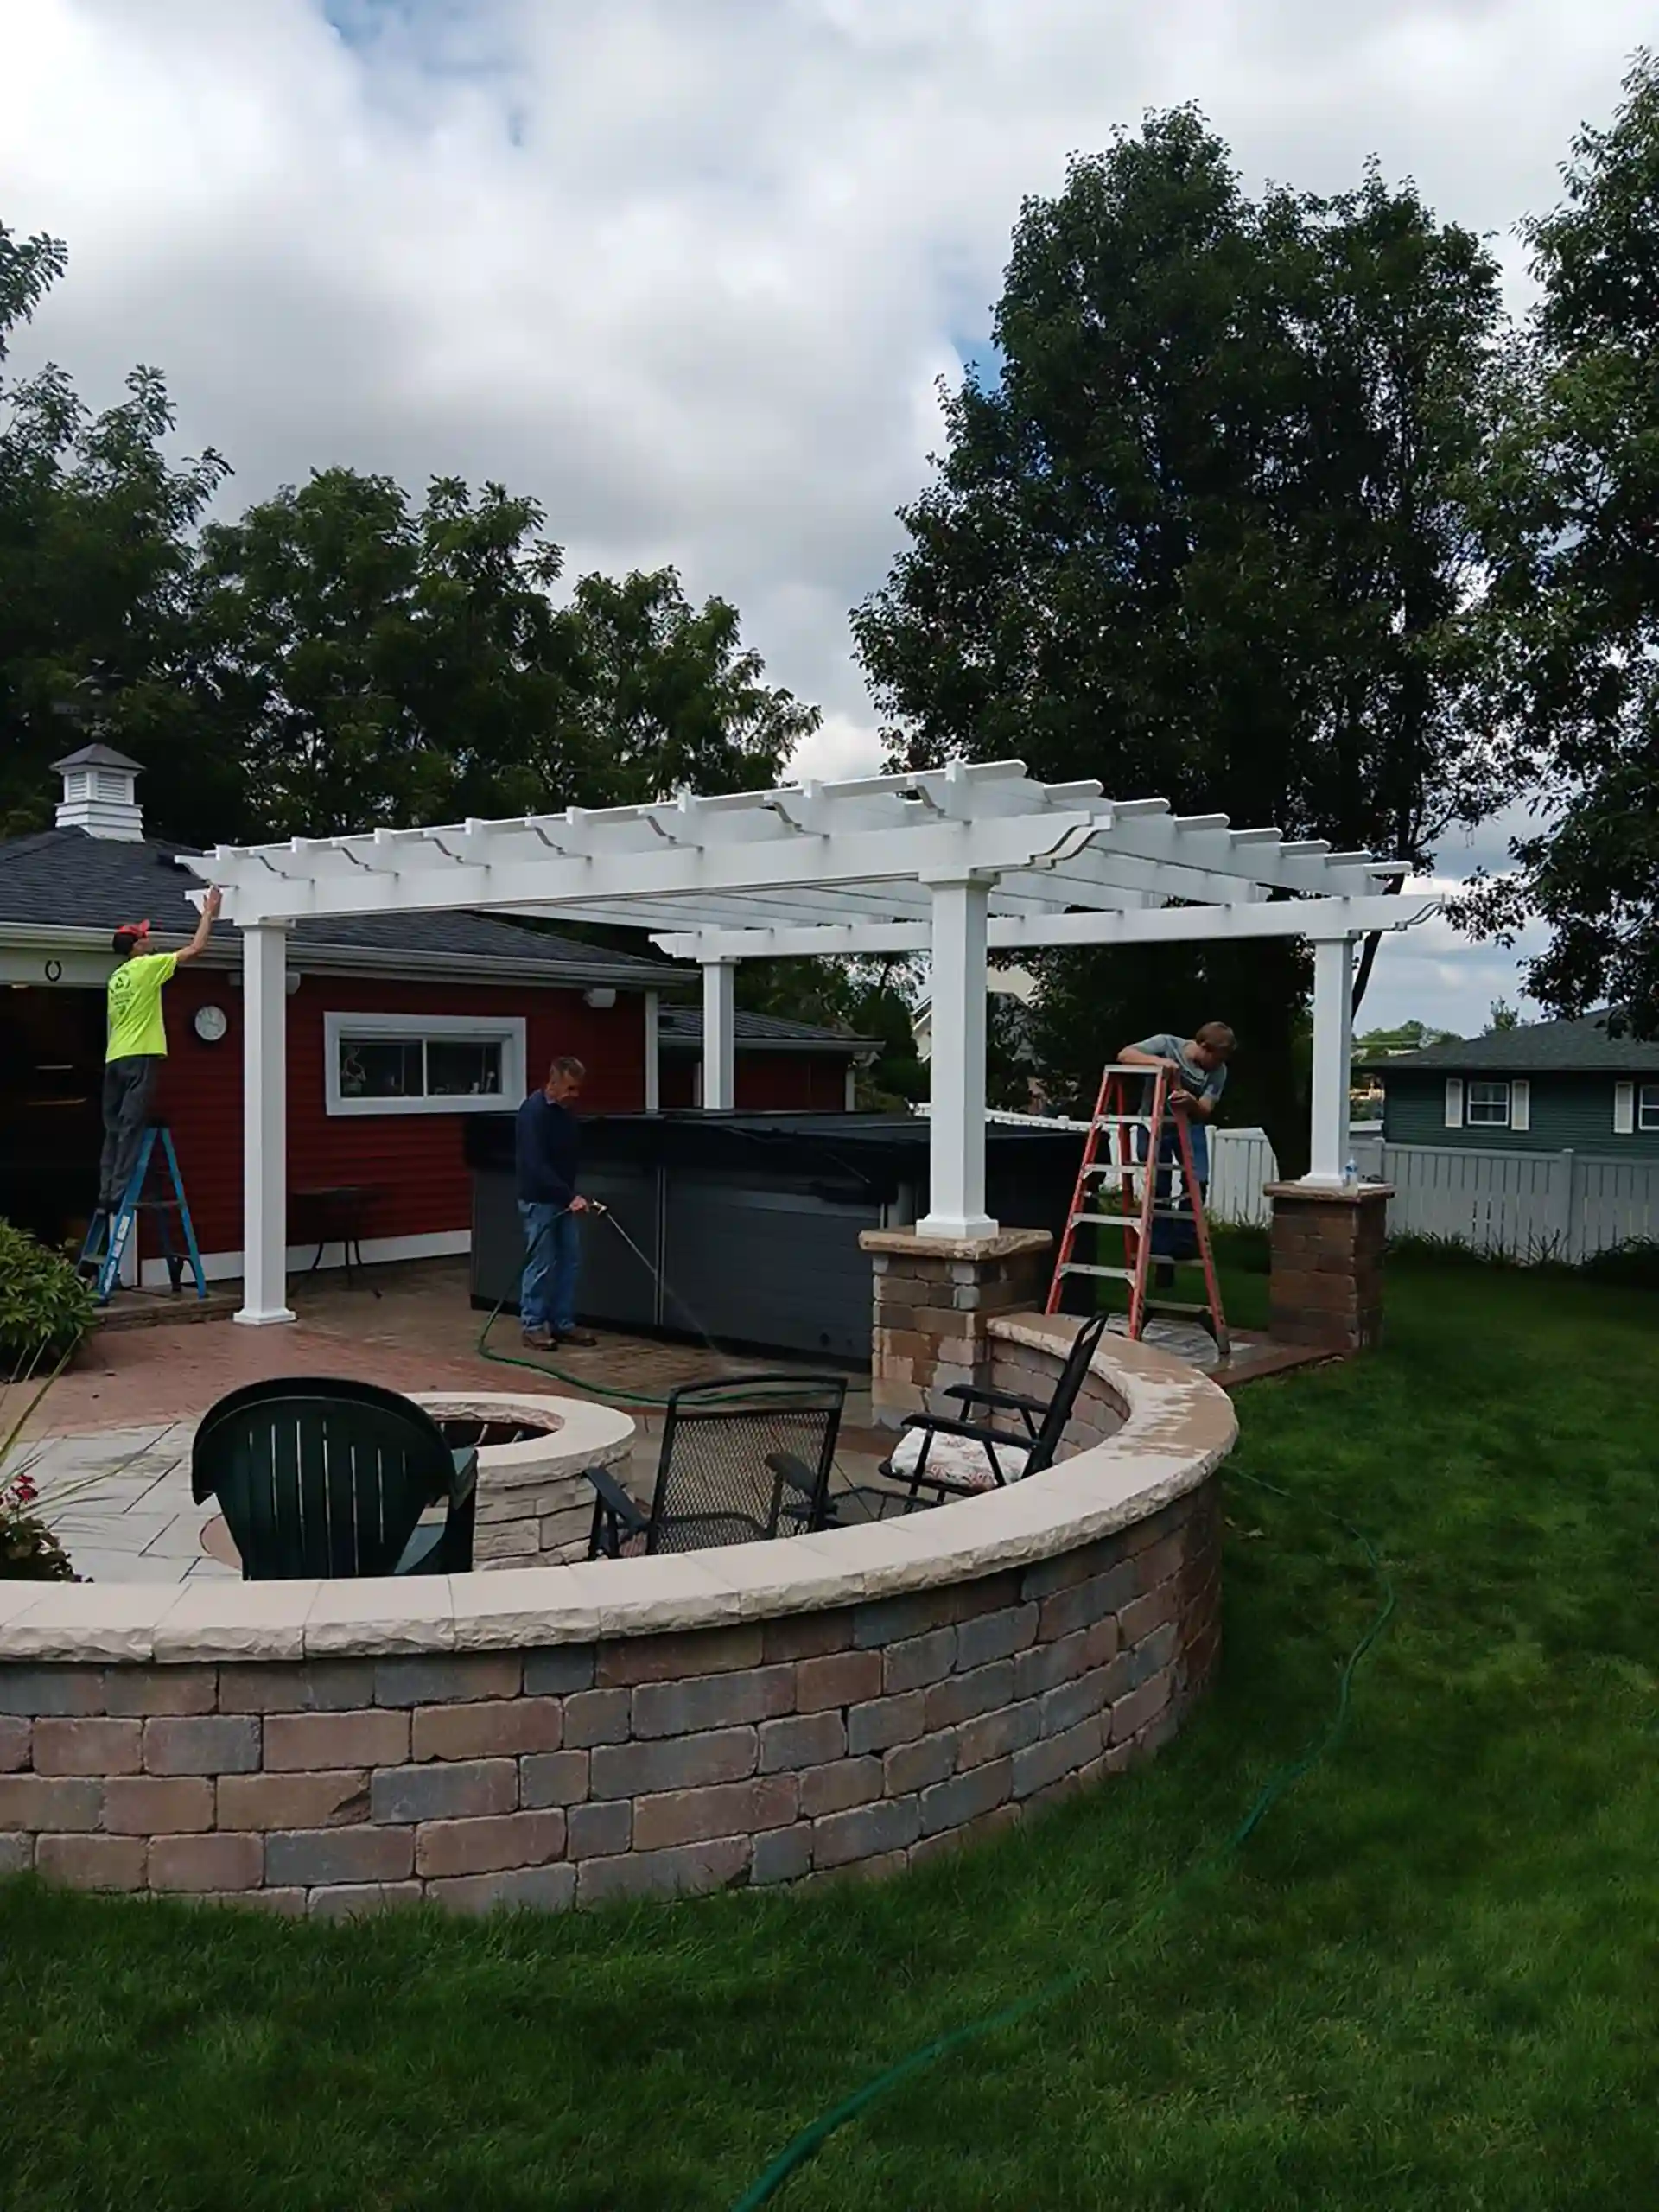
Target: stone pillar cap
[907, 1244]
[1341, 1194]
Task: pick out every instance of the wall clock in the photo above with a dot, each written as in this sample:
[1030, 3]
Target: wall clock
[210, 1024]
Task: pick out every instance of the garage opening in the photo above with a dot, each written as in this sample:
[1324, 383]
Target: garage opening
[51, 1118]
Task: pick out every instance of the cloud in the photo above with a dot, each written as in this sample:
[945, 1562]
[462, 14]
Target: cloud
[689, 271]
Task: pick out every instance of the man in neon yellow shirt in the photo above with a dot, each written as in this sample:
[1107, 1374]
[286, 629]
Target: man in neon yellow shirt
[138, 1045]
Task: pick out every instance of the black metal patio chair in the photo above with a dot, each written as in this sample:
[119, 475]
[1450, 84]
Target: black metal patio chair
[319, 1477]
[742, 1459]
[954, 1456]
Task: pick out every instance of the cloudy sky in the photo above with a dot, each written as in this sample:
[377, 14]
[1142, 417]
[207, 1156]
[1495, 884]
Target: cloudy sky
[689, 271]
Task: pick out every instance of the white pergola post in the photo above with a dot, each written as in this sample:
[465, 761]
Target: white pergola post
[1333, 1053]
[653, 1053]
[956, 1114]
[719, 1036]
[265, 1127]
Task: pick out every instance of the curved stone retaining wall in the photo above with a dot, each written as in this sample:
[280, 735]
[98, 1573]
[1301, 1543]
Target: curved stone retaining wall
[859, 1699]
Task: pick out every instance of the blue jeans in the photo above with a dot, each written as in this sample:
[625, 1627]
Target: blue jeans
[1175, 1240]
[547, 1296]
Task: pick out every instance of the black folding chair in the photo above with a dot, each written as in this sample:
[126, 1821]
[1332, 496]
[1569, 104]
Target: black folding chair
[742, 1460]
[999, 1455]
[319, 1477]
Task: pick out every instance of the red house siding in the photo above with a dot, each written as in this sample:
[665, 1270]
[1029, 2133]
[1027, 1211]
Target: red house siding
[414, 1162]
[768, 1082]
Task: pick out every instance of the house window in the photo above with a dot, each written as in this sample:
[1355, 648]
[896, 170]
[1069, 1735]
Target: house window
[1488, 1106]
[422, 1063]
[1646, 1108]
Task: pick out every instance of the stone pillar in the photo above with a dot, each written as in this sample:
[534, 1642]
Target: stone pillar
[935, 1300]
[1326, 1283]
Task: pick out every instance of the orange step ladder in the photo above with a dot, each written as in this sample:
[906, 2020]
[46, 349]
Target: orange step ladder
[1142, 1190]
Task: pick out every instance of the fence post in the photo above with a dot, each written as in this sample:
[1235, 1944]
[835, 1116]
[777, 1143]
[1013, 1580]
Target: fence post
[1575, 1237]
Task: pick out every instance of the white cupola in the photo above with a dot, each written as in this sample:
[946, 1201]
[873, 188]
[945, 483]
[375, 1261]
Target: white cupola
[100, 794]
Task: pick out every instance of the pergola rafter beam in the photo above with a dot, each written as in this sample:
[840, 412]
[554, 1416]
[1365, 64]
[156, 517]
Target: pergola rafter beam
[1318, 918]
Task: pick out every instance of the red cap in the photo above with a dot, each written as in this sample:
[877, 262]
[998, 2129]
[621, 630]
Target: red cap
[133, 929]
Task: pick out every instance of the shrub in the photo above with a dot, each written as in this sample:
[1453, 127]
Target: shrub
[1633, 1265]
[1437, 1249]
[45, 1307]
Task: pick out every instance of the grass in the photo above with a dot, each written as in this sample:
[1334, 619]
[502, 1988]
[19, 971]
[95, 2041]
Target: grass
[1431, 1979]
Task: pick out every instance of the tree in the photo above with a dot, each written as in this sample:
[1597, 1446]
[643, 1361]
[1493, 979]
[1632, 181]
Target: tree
[392, 665]
[1208, 537]
[96, 560]
[385, 666]
[1502, 1019]
[1574, 605]
[1407, 1036]
[668, 698]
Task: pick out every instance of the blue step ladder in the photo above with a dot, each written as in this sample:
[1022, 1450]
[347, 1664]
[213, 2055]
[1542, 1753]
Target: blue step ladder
[108, 1236]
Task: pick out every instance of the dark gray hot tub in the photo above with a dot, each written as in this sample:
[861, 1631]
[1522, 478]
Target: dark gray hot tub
[752, 1220]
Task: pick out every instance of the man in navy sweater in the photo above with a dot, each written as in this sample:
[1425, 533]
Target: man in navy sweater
[549, 1206]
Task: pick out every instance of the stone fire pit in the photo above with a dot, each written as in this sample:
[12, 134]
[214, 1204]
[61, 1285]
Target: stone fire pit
[533, 1508]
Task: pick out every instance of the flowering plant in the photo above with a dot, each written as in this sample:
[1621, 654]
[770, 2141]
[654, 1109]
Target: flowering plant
[28, 1550]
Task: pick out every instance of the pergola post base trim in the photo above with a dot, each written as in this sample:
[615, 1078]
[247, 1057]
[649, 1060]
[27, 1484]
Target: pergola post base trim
[956, 1229]
[251, 1317]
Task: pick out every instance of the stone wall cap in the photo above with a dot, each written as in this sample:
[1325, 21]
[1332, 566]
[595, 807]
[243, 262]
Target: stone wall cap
[1177, 1427]
[906, 1243]
[1329, 1194]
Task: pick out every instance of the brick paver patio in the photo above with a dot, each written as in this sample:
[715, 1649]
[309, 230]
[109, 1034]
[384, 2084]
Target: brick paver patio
[109, 1446]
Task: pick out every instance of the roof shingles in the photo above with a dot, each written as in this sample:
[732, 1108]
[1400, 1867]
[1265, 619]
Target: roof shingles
[68, 879]
[1580, 1047]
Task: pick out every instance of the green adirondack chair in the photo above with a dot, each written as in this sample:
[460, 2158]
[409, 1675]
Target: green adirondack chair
[320, 1477]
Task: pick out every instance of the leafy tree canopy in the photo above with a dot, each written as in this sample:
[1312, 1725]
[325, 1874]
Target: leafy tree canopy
[1574, 618]
[1210, 536]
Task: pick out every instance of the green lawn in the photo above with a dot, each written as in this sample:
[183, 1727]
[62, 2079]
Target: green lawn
[1430, 1979]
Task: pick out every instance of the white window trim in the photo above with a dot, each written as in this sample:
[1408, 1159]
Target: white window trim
[506, 1030]
[1472, 1119]
[1647, 1108]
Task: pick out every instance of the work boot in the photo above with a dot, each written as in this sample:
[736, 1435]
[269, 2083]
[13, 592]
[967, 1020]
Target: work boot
[539, 1338]
[583, 1339]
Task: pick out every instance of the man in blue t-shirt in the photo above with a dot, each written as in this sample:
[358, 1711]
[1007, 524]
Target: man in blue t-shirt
[550, 1207]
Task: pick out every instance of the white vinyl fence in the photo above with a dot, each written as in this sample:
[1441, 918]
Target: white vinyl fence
[1533, 1206]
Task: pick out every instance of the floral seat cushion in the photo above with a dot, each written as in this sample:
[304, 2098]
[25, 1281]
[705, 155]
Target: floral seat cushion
[961, 1460]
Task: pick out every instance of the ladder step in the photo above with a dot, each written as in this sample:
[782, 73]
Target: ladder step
[1133, 1204]
[1130, 1220]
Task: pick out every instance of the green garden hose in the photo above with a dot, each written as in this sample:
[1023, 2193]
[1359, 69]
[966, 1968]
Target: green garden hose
[545, 1367]
[812, 2138]
[737, 1395]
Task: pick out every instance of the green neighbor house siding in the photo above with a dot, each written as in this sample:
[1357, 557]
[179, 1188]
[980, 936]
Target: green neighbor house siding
[1568, 1112]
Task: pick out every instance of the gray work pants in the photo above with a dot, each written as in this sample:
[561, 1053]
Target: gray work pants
[129, 1087]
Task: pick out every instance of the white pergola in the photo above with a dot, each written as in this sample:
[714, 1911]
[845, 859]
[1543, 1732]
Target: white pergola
[951, 863]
